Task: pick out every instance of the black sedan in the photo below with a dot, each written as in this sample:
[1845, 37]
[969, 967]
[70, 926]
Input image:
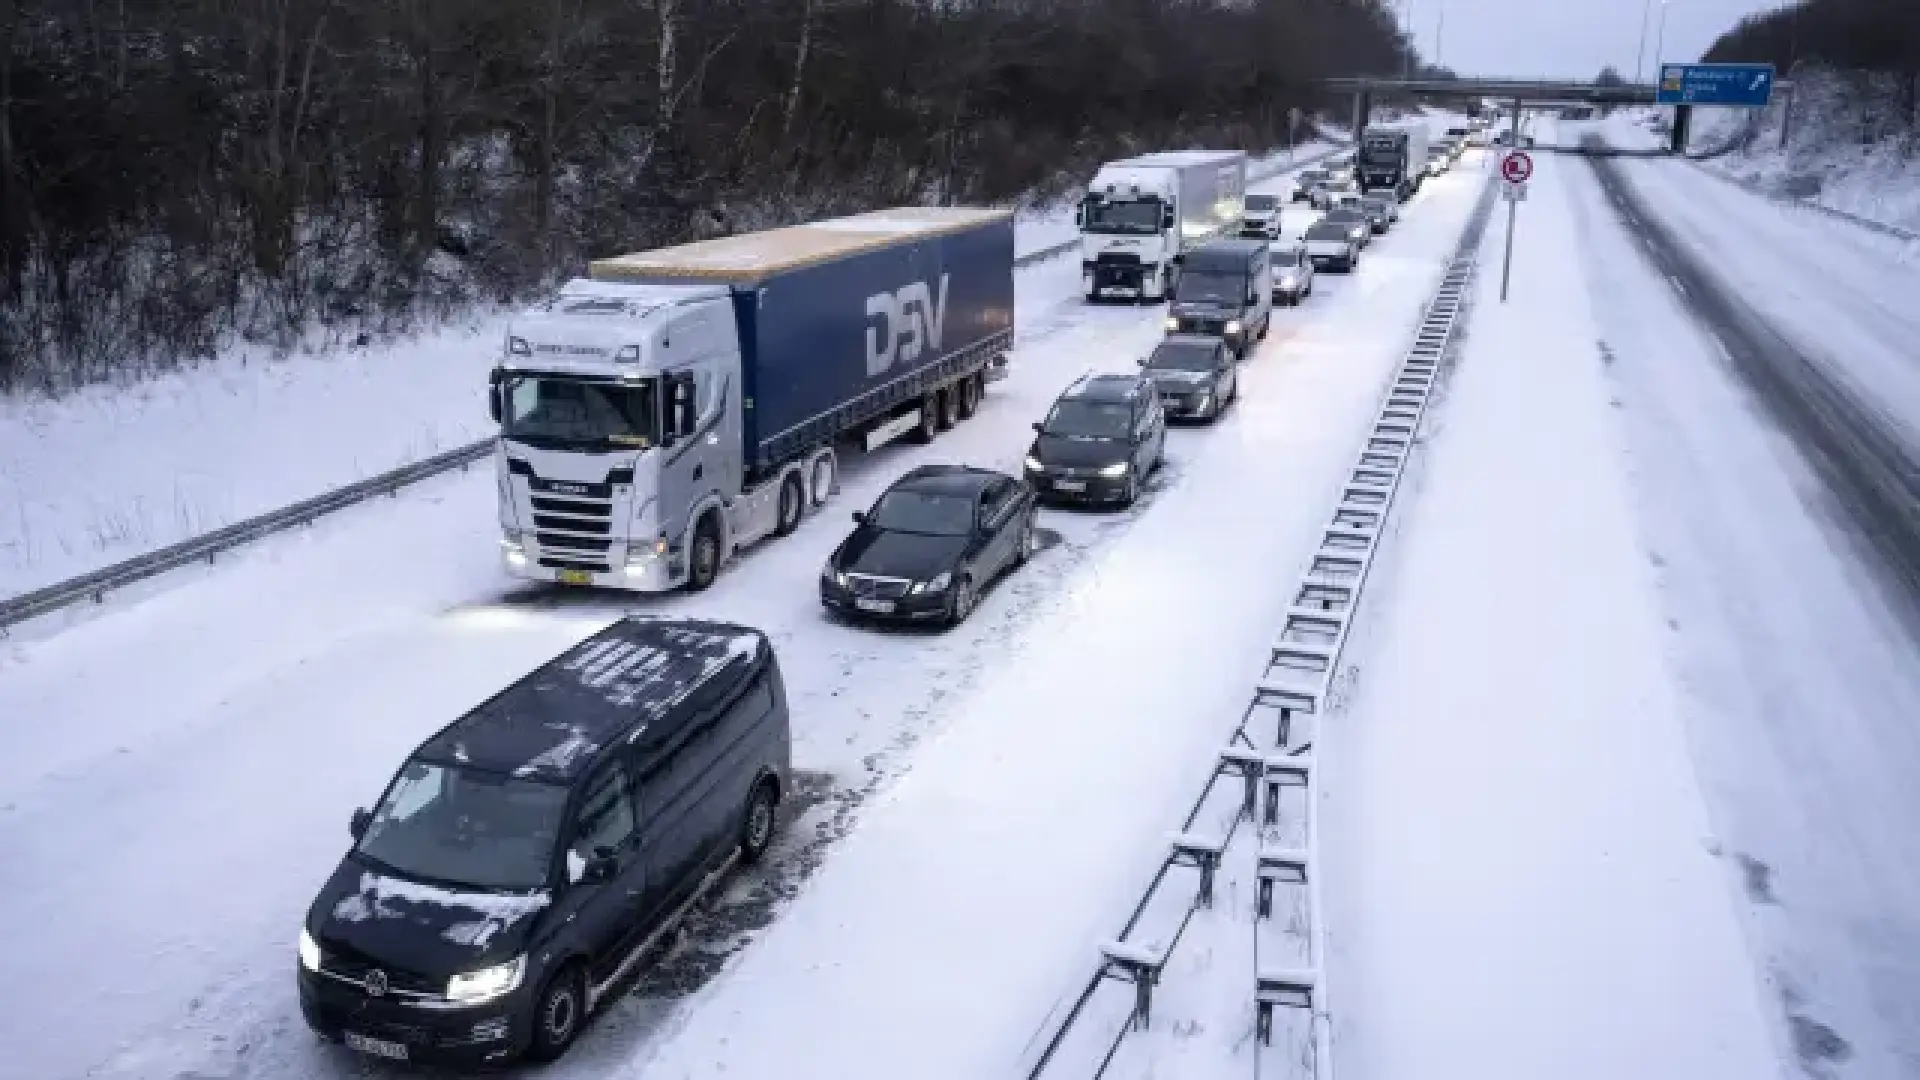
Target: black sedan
[1197, 376]
[933, 541]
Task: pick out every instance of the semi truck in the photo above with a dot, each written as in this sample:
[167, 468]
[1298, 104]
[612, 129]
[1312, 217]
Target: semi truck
[1393, 157]
[675, 406]
[1140, 216]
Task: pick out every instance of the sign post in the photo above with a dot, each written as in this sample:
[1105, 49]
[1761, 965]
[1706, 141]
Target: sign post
[1516, 168]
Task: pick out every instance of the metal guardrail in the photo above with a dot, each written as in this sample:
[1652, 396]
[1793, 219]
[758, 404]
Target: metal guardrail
[94, 586]
[1291, 690]
[1881, 227]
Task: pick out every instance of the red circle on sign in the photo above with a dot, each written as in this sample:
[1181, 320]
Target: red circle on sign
[1516, 167]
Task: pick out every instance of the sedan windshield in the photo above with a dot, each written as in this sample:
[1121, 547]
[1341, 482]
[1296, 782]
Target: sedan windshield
[1287, 257]
[1208, 288]
[464, 827]
[928, 513]
[560, 412]
[1260, 204]
[1075, 418]
[1184, 356]
[1327, 231]
[1139, 217]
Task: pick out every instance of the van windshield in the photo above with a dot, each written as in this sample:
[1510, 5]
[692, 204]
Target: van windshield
[464, 827]
[563, 413]
[1210, 287]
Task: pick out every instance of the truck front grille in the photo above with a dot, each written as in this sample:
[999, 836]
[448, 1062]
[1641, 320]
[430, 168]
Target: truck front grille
[573, 529]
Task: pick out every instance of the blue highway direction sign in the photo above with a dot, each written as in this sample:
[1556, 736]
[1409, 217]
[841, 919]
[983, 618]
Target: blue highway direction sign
[1736, 85]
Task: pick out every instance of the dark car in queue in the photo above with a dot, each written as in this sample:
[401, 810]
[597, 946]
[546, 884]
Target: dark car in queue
[1103, 437]
[1305, 182]
[527, 856]
[1332, 246]
[933, 542]
[1379, 215]
[1292, 272]
[1198, 376]
[1355, 221]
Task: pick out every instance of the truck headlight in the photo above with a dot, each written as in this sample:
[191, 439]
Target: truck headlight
[1118, 468]
[488, 983]
[309, 951]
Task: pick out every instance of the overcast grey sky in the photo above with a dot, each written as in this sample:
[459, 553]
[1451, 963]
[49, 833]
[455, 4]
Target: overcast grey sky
[1564, 38]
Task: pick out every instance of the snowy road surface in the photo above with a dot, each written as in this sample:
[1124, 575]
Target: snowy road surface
[1624, 785]
[184, 775]
[1798, 663]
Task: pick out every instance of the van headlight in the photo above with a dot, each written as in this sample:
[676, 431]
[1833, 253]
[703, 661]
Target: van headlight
[1118, 468]
[309, 951]
[1033, 464]
[488, 983]
[1173, 325]
[1233, 328]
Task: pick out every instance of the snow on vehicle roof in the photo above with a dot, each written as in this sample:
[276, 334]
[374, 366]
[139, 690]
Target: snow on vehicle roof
[622, 683]
[1165, 158]
[750, 257]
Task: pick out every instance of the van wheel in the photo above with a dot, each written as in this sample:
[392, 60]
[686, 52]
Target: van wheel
[703, 561]
[558, 1015]
[793, 502]
[756, 830]
[929, 421]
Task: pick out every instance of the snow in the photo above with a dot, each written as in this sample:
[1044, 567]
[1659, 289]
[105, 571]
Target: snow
[1800, 688]
[252, 705]
[378, 894]
[1517, 847]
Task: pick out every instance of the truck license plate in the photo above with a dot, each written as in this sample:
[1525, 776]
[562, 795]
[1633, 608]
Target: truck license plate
[576, 577]
[377, 1047]
[880, 607]
[1070, 485]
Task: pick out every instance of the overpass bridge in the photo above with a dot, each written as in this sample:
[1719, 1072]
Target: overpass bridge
[1519, 92]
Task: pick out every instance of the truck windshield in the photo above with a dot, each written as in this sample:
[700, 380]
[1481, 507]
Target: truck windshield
[1209, 287]
[563, 413]
[1076, 418]
[1137, 218]
[464, 827]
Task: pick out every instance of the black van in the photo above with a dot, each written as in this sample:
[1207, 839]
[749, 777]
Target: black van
[527, 855]
[1225, 291]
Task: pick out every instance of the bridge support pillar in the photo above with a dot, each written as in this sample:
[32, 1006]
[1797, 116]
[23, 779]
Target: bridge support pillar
[1682, 120]
[1362, 111]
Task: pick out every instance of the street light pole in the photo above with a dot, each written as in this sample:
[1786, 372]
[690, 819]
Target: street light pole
[1660, 40]
[1640, 54]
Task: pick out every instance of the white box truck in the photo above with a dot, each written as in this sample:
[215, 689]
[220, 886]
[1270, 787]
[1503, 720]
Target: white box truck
[1141, 215]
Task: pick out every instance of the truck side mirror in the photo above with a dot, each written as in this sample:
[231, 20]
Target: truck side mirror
[681, 419]
[494, 381]
[1166, 218]
[1080, 215]
[361, 819]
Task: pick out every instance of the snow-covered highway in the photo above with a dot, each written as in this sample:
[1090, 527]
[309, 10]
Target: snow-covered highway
[171, 811]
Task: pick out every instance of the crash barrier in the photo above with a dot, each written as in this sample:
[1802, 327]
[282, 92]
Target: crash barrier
[1247, 856]
[1881, 227]
[205, 548]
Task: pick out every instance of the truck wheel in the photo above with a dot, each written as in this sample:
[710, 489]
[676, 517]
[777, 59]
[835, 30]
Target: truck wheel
[929, 421]
[823, 469]
[793, 503]
[558, 1015]
[756, 828]
[949, 407]
[969, 391]
[703, 560]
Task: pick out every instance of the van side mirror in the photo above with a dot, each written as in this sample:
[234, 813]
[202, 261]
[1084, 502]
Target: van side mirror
[859, 517]
[362, 818]
[1039, 427]
[601, 867]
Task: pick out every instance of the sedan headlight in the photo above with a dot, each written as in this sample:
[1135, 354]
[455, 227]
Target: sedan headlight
[488, 983]
[829, 574]
[1173, 324]
[1033, 464]
[1118, 468]
[309, 951]
[938, 583]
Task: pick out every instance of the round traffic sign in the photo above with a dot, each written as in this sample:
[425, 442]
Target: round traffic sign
[1516, 167]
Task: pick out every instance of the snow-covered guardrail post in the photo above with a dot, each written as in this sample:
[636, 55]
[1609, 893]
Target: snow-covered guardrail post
[1138, 965]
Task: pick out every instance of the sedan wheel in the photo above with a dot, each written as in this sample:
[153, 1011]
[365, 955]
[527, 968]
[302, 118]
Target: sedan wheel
[1028, 543]
[962, 602]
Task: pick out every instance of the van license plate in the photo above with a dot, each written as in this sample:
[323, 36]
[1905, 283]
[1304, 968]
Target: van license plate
[1070, 485]
[576, 577]
[377, 1047]
[879, 607]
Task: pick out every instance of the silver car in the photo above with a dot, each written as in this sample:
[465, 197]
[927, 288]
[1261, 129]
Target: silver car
[1292, 273]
